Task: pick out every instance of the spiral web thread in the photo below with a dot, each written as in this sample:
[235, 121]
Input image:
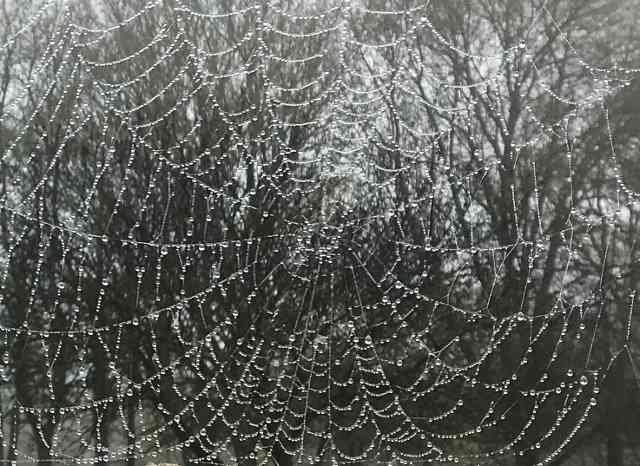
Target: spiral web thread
[248, 231]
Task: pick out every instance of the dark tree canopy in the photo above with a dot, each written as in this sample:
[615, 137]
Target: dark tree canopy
[320, 232]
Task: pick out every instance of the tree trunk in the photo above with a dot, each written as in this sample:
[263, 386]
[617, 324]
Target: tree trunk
[131, 421]
[102, 429]
[44, 451]
[615, 415]
[280, 457]
[10, 442]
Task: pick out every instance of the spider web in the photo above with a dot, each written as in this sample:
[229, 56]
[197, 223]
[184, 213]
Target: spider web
[307, 232]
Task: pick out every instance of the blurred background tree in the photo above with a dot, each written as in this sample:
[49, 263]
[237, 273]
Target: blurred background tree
[291, 232]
